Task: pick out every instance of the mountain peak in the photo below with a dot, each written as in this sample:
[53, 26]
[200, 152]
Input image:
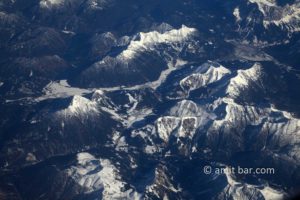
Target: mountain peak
[243, 79]
[150, 39]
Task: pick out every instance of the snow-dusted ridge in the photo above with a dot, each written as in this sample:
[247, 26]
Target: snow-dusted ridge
[286, 17]
[204, 75]
[284, 128]
[98, 4]
[263, 4]
[92, 4]
[80, 106]
[149, 40]
[83, 105]
[49, 3]
[237, 189]
[243, 79]
[132, 60]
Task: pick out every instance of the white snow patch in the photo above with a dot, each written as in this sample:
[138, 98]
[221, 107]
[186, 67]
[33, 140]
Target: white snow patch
[97, 4]
[83, 105]
[271, 194]
[61, 89]
[133, 101]
[236, 13]
[68, 32]
[80, 106]
[31, 157]
[150, 149]
[49, 3]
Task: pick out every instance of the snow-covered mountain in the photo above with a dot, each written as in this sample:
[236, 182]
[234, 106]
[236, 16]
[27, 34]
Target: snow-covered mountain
[62, 4]
[107, 99]
[243, 79]
[204, 75]
[147, 41]
[100, 175]
[130, 64]
[267, 22]
[287, 16]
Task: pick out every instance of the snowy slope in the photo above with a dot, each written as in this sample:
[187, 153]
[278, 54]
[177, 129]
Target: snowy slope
[100, 175]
